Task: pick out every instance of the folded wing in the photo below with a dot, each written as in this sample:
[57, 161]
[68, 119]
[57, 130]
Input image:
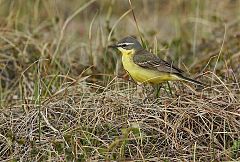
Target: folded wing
[148, 60]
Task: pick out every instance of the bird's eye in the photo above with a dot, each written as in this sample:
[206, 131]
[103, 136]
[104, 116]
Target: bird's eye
[124, 45]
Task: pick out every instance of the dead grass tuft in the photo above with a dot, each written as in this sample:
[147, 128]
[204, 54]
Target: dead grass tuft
[90, 122]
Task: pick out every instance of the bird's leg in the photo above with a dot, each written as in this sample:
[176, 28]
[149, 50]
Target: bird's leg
[154, 92]
[158, 88]
[170, 90]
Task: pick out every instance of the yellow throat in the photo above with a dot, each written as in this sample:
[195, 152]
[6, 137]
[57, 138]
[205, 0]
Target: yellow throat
[127, 59]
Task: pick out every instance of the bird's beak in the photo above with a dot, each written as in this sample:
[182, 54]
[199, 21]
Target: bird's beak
[112, 46]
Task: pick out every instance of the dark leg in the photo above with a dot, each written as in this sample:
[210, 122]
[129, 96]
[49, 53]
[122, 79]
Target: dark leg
[158, 88]
[170, 90]
[154, 93]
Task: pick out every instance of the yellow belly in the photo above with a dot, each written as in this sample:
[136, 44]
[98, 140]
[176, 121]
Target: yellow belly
[142, 75]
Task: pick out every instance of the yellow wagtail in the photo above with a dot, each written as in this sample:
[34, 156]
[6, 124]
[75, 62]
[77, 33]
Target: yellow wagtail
[145, 67]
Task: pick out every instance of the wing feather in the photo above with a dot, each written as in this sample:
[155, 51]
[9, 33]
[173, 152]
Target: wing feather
[148, 60]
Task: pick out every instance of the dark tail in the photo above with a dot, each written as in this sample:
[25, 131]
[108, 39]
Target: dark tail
[192, 81]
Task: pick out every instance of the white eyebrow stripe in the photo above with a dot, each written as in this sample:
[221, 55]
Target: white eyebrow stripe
[120, 44]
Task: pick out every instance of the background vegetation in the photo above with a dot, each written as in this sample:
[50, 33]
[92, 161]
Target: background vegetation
[65, 97]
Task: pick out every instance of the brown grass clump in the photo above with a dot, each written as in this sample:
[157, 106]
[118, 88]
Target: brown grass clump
[61, 99]
[90, 122]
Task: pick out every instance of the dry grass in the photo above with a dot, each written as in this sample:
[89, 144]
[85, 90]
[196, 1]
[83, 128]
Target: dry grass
[90, 122]
[60, 99]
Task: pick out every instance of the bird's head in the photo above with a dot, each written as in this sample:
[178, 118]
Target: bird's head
[127, 45]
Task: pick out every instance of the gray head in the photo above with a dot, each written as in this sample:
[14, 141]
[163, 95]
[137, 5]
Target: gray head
[128, 43]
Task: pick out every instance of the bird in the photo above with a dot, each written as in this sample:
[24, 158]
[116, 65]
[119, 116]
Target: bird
[145, 67]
